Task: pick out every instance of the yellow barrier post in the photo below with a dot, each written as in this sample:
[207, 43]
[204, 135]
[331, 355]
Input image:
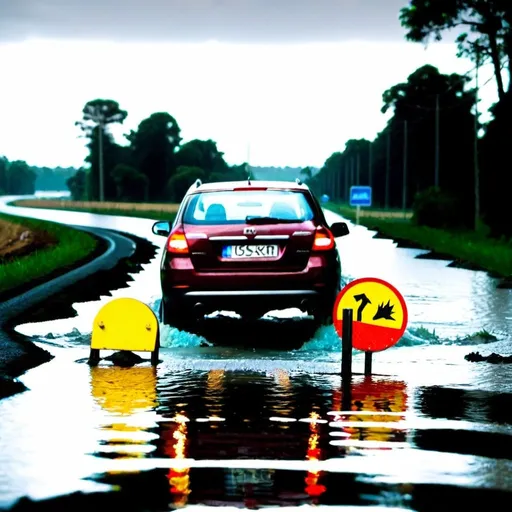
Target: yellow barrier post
[125, 324]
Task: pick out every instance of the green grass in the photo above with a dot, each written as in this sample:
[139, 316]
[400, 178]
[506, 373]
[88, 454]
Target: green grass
[492, 255]
[365, 214]
[424, 333]
[72, 247]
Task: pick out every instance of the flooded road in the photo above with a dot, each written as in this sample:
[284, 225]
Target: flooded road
[444, 303]
[239, 425]
[191, 432]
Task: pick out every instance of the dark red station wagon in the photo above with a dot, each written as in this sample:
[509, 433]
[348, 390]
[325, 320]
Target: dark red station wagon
[248, 247]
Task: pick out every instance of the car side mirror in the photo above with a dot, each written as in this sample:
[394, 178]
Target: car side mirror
[339, 229]
[162, 228]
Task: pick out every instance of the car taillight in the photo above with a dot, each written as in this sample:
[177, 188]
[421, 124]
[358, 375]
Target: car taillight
[324, 241]
[177, 243]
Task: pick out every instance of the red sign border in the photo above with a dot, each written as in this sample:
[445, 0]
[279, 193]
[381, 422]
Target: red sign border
[339, 322]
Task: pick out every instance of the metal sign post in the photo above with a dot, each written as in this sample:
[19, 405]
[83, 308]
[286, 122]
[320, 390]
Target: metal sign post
[368, 363]
[346, 351]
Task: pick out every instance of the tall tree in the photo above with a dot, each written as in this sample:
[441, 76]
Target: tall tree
[203, 154]
[77, 185]
[488, 25]
[97, 115]
[182, 180]
[21, 178]
[403, 154]
[306, 173]
[131, 184]
[428, 94]
[495, 169]
[153, 146]
[4, 164]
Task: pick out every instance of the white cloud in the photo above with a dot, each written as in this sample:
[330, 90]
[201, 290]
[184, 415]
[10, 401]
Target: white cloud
[296, 104]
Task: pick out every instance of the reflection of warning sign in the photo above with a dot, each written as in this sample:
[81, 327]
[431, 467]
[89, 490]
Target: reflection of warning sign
[379, 313]
[377, 413]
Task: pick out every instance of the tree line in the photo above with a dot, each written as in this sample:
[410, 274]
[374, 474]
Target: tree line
[153, 166]
[430, 155]
[20, 178]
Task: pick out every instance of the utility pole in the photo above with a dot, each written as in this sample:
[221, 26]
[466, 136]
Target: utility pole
[340, 183]
[404, 191]
[388, 168]
[346, 190]
[475, 157]
[352, 171]
[248, 168]
[436, 175]
[370, 164]
[100, 151]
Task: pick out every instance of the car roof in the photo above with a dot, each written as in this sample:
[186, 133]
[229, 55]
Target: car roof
[247, 184]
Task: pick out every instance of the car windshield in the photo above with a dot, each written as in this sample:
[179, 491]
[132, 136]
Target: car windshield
[248, 206]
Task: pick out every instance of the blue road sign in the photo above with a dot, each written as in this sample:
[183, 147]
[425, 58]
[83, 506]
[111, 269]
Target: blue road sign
[360, 196]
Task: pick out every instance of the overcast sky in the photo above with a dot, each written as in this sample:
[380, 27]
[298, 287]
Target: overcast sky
[268, 21]
[295, 79]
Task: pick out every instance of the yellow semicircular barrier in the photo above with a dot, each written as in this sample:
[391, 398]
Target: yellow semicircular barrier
[125, 324]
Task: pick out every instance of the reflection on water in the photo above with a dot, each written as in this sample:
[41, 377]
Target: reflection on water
[216, 453]
[124, 393]
[313, 487]
[175, 448]
[376, 417]
[174, 439]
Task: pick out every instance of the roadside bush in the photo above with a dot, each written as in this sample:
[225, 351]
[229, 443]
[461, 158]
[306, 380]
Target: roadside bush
[178, 185]
[437, 209]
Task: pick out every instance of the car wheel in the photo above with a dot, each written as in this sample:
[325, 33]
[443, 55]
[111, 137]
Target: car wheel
[175, 315]
[323, 313]
[252, 315]
[323, 318]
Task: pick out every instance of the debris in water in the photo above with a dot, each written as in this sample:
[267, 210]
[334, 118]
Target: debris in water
[476, 357]
[9, 386]
[125, 358]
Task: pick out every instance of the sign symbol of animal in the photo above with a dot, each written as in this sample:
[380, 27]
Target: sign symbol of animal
[385, 311]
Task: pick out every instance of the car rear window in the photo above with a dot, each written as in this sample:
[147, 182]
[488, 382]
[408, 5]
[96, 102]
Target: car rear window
[233, 207]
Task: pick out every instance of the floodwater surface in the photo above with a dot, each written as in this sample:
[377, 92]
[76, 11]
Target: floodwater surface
[249, 424]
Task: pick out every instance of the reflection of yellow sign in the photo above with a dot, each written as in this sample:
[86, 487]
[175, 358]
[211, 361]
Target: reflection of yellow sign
[378, 409]
[124, 390]
[379, 313]
[125, 324]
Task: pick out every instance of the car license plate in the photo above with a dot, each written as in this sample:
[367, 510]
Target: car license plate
[250, 251]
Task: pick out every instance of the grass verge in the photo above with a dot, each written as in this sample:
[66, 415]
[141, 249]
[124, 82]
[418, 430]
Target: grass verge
[71, 247]
[467, 249]
[156, 211]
